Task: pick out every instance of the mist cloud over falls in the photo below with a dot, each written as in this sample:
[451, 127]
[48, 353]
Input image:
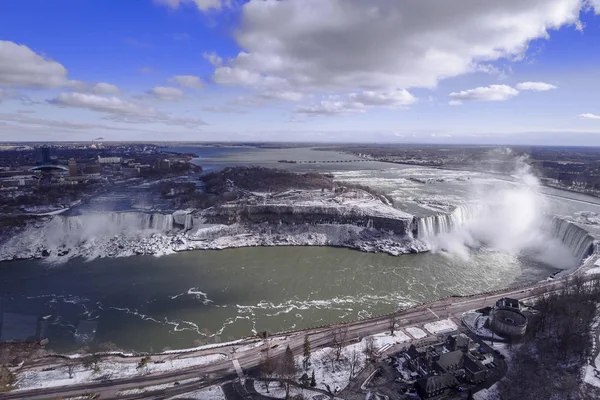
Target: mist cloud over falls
[509, 216]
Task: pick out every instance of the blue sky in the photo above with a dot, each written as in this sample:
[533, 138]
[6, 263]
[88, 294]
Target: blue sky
[462, 71]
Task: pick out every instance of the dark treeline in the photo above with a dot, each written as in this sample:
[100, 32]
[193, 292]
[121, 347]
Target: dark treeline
[230, 184]
[548, 362]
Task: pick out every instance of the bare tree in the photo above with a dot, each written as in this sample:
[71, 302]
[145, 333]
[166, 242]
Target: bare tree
[286, 370]
[392, 323]
[330, 356]
[353, 363]
[267, 369]
[369, 349]
[92, 360]
[71, 364]
[340, 337]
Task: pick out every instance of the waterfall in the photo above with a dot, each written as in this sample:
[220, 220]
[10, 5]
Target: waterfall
[112, 223]
[183, 219]
[432, 225]
[576, 238]
[160, 222]
[189, 222]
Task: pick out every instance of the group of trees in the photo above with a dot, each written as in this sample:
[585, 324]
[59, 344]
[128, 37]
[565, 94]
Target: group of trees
[264, 180]
[548, 361]
[281, 368]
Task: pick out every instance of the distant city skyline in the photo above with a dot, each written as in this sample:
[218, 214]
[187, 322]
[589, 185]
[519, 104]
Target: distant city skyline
[452, 72]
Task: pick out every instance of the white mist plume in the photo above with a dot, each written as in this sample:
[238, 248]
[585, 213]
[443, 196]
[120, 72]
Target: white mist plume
[508, 216]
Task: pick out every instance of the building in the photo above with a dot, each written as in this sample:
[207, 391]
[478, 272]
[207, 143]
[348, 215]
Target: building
[435, 385]
[475, 371]
[92, 169]
[461, 342]
[42, 155]
[507, 320]
[449, 362]
[163, 164]
[506, 302]
[73, 167]
[109, 160]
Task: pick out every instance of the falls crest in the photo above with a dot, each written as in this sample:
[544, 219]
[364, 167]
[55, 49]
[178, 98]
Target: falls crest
[577, 239]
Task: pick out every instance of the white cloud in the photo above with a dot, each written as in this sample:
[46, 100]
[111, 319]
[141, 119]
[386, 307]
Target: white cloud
[122, 110]
[381, 45]
[105, 88]
[282, 95]
[22, 67]
[213, 58]
[358, 102]
[146, 70]
[395, 98]
[189, 81]
[22, 119]
[203, 5]
[166, 93]
[326, 107]
[486, 93]
[595, 4]
[455, 103]
[589, 116]
[535, 86]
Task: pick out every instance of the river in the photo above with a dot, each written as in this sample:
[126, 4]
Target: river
[151, 303]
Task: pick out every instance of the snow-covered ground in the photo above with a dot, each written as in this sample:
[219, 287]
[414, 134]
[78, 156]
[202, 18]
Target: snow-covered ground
[32, 379]
[487, 394]
[415, 332]
[210, 393]
[127, 392]
[278, 392]
[592, 370]
[441, 326]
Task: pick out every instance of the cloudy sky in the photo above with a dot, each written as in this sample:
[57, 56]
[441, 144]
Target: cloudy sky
[452, 71]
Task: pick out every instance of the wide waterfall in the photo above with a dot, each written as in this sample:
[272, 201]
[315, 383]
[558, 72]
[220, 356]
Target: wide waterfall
[433, 225]
[576, 238]
[112, 223]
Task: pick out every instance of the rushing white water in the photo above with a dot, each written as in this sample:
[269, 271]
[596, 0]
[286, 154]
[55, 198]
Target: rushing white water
[511, 217]
[428, 227]
[577, 239]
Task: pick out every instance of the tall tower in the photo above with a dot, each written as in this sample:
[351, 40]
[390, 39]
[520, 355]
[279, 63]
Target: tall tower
[72, 167]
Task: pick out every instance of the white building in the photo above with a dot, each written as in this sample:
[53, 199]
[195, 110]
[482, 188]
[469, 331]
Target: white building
[109, 160]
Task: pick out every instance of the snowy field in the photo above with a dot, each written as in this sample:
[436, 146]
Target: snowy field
[153, 388]
[384, 339]
[415, 332]
[33, 379]
[441, 326]
[210, 393]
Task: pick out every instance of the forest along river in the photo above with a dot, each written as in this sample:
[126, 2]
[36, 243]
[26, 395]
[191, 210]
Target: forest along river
[148, 303]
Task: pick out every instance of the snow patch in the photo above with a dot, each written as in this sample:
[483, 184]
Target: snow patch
[415, 332]
[210, 393]
[441, 326]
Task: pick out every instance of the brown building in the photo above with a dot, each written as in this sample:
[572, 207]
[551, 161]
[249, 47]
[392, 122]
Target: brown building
[73, 167]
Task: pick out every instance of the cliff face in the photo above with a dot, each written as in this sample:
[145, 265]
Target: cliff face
[353, 207]
[298, 215]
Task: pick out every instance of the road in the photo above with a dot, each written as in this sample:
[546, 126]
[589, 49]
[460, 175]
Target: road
[222, 371]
